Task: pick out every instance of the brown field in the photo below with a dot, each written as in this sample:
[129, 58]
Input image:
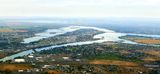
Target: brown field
[155, 53]
[124, 67]
[150, 59]
[53, 72]
[11, 30]
[6, 30]
[148, 41]
[14, 67]
[113, 62]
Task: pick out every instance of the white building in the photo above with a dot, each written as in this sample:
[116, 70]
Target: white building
[19, 60]
[31, 56]
[65, 58]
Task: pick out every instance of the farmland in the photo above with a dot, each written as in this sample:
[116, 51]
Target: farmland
[143, 40]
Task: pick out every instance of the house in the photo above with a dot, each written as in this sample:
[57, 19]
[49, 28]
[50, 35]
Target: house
[65, 58]
[20, 70]
[19, 60]
[30, 56]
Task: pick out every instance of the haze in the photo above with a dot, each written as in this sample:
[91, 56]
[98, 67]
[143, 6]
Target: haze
[80, 8]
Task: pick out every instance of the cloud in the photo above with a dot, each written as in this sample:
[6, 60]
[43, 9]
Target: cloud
[80, 8]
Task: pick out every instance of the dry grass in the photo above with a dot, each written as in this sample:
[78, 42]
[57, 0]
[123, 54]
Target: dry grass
[113, 62]
[6, 30]
[152, 55]
[53, 72]
[148, 41]
[11, 30]
[155, 53]
[150, 59]
[14, 67]
[123, 67]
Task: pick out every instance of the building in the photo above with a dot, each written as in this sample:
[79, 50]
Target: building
[19, 60]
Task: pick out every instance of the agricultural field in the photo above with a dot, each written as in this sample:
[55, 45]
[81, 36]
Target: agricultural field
[143, 40]
[14, 67]
[148, 41]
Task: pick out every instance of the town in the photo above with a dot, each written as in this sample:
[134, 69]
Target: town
[97, 58]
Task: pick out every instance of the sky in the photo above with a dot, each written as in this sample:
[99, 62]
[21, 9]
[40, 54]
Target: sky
[80, 8]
